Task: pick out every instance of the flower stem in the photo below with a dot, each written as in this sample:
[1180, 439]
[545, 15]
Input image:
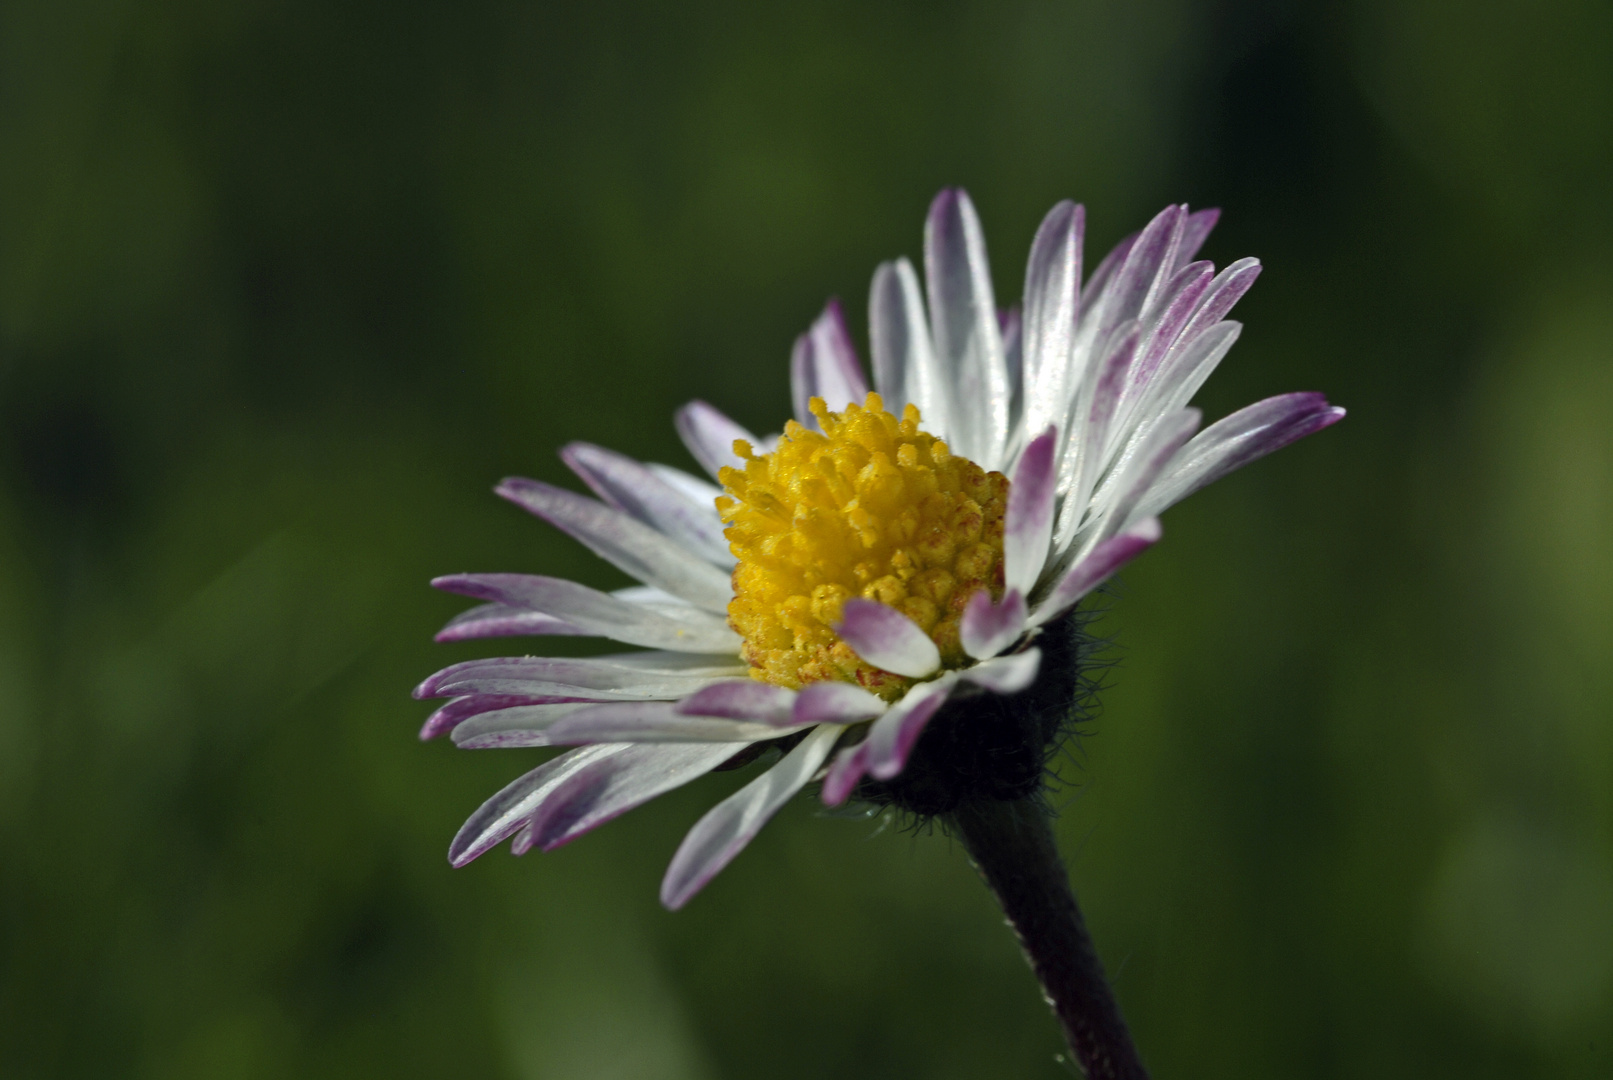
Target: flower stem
[1012, 845]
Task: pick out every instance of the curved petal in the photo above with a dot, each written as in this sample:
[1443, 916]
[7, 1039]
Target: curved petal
[986, 628]
[638, 490]
[893, 735]
[1091, 571]
[1235, 441]
[887, 639]
[631, 546]
[1005, 674]
[834, 703]
[521, 725]
[963, 327]
[741, 699]
[905, 368]
[824, 364]
[651, 722]
[1196, 230]
[1028, 523]
[605, 789]
[502, 620]
[461, 709]
[710, 436]
[729, 826]
[850, 766]
[501, 816]
[597, 613]
[648, 674]
[1052, 307]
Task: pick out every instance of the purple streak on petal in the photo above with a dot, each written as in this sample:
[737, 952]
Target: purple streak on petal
[1196, 230]
[824, 364]
[629, 545]
[905, 367]
[1136, 282]
[730, 825]
[1185, 292]
[1092, 436]
[986, 628]
[741, 699]
[1006, 674]
[834, 703]
[1096, 285]
[564, 676]
[850, 765]
[1148, 461]
[887, 639]
[503, 815]
[1013, 361]
[1028, 523]
[1052, 310]
[597, 613]
[1236, 440]
[501, 620]
[606, 789]
[1093, 570]
[894, 735]
[1225, 290]
[460, 709]
[710, 436]
[963, 326]
[507, 739]
[637, 490]
[650, 722]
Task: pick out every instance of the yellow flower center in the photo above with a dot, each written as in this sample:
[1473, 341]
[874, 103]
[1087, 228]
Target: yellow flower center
[870, 507]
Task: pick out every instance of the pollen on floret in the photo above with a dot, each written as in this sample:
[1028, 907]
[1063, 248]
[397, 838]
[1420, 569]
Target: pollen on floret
[872, 506]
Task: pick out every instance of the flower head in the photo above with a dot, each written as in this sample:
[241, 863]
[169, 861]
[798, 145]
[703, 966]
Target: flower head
[891, 558]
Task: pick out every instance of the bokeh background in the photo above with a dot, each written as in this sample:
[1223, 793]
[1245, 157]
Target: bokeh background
[286, 285]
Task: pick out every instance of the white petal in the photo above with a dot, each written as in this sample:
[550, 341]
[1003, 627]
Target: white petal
[1005, 674]
[730, 825]
[651, 721]
[630, 545]
[710, 436]
[887, 639]
[905, 367]
[963, 326]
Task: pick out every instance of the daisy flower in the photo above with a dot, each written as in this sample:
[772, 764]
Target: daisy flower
[894, 557]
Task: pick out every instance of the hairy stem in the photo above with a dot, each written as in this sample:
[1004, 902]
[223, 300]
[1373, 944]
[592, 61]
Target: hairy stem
[1011, 844]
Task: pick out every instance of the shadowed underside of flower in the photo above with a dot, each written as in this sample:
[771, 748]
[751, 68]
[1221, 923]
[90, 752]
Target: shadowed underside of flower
[896, 569]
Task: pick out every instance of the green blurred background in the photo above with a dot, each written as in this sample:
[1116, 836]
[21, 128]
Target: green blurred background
[285, 286]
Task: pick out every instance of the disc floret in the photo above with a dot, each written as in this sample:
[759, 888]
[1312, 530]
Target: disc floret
[870, 506]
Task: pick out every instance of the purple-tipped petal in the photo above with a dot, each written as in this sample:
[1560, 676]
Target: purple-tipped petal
[1013, 361]
[1006, 674]
[606, 789]
[1052, 308]
[1135, 282]
[1235, 441]
[1092, 571]
[1028, 523]
[631, 546]
[710, 436]
[1095, 290]
[461, 709]
[905, 367]
[518, 725]
[638, 490]
[597, 613]
[521, 842]
[986, 628]
[503, 815]
[730, 825]
[650, 722]
[963, 326]
[850, 766]
[644, 675]
[893, 736]
[741, 699]
[1196, 230]
[887, 639]
[502, 620]
[1135, 475]
[834, 703]
[824, 364]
